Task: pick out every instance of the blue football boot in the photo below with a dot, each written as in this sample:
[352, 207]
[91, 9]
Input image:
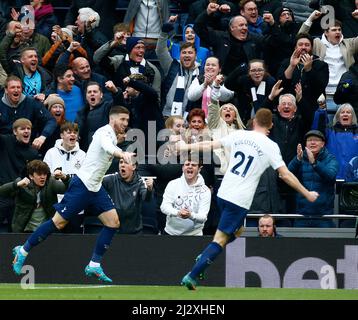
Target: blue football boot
[98, 273]
[18, 261]
[189, 282]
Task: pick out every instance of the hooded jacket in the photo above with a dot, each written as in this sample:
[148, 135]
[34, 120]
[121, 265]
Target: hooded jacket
[196, 198]
[59, 157]
[202, 53]
[128, 199]
[347, 47]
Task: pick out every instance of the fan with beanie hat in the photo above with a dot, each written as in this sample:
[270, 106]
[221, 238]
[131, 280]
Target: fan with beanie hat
[137, 60]
[132, 42]
[277, 13]
[51, 100]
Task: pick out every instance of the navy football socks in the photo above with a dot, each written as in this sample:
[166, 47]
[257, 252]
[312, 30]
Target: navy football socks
[103, 242]
[207, 258]
[40, 234]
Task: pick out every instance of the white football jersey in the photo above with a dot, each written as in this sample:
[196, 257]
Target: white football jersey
[251, 154]
[98, 158]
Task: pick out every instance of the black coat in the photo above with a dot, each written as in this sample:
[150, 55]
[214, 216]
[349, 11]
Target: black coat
[222, 41]
[279, 44]
[241, 85]
[14, 157]
[313, 83]
[145, 107]
[220, 20]
[347, 89]
[91, 120]
[288, 134]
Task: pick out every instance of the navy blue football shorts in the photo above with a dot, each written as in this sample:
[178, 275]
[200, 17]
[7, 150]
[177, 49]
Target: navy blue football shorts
[78, 198]
[232, 216]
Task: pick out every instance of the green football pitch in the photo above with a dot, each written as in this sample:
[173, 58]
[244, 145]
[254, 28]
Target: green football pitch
[115, 292]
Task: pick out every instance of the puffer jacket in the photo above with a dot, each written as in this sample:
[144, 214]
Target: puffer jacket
[320, 177]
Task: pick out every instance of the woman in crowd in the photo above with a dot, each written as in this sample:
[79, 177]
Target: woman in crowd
[201, 87]
[252, 89]
[341, 136]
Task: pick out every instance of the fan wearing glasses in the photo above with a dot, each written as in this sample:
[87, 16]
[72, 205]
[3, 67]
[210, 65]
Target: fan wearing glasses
[252, 89]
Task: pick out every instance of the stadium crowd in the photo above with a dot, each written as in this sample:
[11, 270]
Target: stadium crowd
[187, 71]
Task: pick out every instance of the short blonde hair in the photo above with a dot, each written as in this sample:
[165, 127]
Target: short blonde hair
[21, 122]
[169, 123]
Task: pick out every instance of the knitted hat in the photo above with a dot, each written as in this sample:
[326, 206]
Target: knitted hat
[277, 13]
[53, 99]
[131, 42]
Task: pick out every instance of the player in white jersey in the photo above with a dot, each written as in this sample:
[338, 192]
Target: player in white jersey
[86, 192]
[252, 152]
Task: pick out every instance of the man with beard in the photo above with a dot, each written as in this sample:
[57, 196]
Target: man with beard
[280, 37]
[87, 193]
[56, 106]
[178, 75]
[252, 152]
[14, 105]
[305, 68]
[267, 227]
[95, 113]
[16, 151]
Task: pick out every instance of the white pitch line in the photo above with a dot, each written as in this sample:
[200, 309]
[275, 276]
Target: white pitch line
[55, 288]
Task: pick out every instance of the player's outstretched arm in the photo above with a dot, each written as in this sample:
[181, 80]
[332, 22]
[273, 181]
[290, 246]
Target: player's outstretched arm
[287, 176]
[198, 146]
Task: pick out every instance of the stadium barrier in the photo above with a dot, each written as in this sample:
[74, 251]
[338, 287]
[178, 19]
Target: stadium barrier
[163, 260]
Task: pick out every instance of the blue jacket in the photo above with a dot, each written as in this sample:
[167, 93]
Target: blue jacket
[320, 177]
[202, 53]
[351, 174]
[341, 141]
